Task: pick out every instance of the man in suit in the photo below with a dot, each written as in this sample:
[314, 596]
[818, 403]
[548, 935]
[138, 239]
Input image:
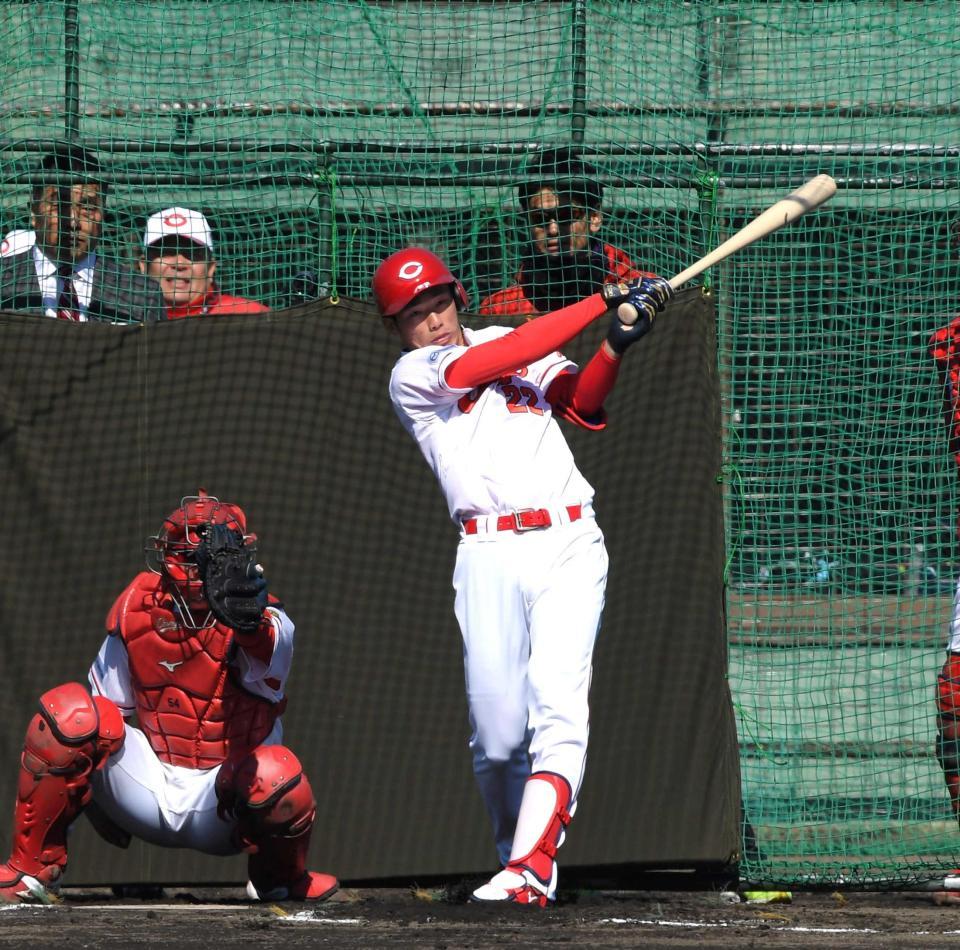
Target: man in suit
[62, 275]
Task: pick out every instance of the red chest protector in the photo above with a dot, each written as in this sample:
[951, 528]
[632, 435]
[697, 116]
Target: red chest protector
[190, 703]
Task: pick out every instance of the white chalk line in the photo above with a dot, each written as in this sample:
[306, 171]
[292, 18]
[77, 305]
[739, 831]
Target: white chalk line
[792, 929]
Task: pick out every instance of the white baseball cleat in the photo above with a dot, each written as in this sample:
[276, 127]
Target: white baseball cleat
[951, 881]
[517, 887]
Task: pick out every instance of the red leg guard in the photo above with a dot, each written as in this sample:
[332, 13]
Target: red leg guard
[539, 859]
[71, 736]
[530, 876]
[948, 726]
[275, 809]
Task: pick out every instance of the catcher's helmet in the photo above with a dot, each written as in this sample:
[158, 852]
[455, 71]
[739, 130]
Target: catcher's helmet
[407, 273]
[170, 552]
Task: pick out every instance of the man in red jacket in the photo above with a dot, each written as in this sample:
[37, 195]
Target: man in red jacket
[178, 255]
[564, 259]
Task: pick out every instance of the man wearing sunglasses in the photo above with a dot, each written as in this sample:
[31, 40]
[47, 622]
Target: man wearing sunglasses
[178, 255]
[563, 259]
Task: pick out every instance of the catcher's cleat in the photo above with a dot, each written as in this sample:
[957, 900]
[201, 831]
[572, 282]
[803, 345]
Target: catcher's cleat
[313, 886]
[16, 887]
[516, 887]
[951, 881]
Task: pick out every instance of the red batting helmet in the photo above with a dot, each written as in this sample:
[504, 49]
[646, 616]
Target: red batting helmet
[407, 273]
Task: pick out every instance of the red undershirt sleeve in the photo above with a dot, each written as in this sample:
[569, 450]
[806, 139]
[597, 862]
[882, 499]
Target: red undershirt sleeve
[579, 397]
[531, 341]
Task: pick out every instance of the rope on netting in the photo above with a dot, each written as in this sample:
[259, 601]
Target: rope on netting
[708, 192]
[326, 177]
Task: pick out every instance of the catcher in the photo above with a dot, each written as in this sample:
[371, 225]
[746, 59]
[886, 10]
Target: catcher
[199, 652]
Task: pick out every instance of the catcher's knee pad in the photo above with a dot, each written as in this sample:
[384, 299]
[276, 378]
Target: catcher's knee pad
[71, 736]
[268, 793]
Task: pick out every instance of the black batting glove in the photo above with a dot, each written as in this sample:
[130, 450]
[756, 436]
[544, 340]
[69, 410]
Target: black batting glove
[634, 307]
[620, 336]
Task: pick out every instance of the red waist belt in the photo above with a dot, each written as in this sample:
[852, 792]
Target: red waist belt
[524, 519]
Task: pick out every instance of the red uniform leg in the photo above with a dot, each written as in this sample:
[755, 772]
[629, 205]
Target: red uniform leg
[948, 725]
[274, 806]
[530, 876]
[948, 740]
[70, 737]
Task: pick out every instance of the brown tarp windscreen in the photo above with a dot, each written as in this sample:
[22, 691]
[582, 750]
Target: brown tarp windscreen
[102, 430]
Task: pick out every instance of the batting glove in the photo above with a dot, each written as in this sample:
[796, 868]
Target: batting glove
[645, 297]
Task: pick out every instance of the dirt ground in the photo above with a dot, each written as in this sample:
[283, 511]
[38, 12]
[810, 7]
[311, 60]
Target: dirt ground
[438, 920]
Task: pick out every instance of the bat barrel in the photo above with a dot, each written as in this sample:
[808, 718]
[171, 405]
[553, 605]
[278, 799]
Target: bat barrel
[807, 197]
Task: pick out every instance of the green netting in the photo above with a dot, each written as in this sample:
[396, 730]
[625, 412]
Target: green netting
[319, 136]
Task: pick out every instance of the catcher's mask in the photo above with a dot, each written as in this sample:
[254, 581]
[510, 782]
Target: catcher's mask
[171, 552]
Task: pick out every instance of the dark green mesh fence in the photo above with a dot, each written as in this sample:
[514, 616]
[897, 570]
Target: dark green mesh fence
[319, 136]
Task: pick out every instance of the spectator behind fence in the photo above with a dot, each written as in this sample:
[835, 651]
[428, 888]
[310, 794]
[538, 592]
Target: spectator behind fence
[178, 255]
[59, 273]
[563, 258]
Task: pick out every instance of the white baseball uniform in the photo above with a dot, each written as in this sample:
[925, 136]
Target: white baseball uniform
[528, 601]
[165, 804]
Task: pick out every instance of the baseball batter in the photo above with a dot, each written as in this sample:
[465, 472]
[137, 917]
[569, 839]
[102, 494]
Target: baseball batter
[199, 653]
[531, 566]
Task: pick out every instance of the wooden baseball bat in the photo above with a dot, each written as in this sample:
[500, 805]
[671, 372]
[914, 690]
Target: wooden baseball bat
[808, 196]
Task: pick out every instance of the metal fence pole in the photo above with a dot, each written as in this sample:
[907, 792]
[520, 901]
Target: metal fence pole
[578, 110]
[71, 70]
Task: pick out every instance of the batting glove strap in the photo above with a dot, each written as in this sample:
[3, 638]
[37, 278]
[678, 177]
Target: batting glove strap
[615, 294]
[655, 291]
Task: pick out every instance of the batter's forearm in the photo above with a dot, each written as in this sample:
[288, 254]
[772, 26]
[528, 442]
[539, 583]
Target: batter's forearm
[532, 341]
[590, 387]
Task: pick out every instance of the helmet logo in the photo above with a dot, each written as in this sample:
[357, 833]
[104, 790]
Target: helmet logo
[175, 220]
[411, 270]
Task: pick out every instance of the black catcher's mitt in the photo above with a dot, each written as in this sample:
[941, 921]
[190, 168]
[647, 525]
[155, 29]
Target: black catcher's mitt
[233, 582]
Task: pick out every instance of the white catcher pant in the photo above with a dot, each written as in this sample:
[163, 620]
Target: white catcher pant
[168, 805]
[529, 609]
